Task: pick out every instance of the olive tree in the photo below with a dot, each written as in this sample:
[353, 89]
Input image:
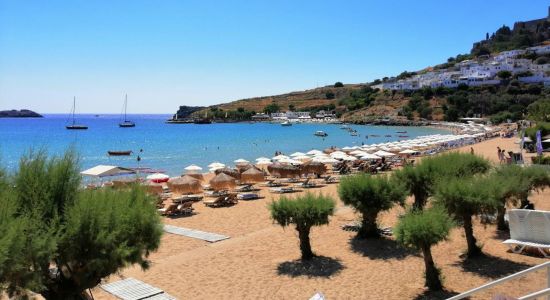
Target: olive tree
[304, 212]
[370, 195]
[421, 180]
[59, 240]
[421, 230]
[465, 198]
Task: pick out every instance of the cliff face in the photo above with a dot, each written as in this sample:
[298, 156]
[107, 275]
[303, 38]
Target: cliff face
[185, 111]
[24, 113]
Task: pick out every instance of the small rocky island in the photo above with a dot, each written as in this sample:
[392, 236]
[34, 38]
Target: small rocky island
[24, 113]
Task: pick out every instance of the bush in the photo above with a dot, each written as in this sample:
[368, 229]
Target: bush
[370, 195]
[504, 75]
[338, 84]
[421, 230]
[304, 212]
[329, 95]
[47, 223]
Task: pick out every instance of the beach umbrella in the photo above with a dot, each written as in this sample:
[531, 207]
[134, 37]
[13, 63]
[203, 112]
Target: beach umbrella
[184, 185]
[263, 158]
[297, 154]
[408, 151]
[314, 152]
[280, 156]
[357, 152]
[302, 158]
[349, 158]
[223, 181]
[252, 175]
[216, 165]
[383, 153]
[369, 156]
[193, 168]
[284, 170]
[229, 171]
[313, 167]
[264, 162]
[158, 177]
[153, 187]
[195, 175]
[241, 161]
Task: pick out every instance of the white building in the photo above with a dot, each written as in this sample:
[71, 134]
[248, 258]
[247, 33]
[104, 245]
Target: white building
[540, 49]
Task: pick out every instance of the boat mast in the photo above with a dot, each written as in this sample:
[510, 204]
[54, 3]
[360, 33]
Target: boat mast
[74, 107]
[125, 106]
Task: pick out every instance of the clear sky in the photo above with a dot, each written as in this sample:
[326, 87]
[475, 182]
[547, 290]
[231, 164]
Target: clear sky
[165, 53]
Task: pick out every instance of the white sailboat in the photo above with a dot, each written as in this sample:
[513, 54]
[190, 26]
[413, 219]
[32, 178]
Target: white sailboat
[126, 123]
[73, 125]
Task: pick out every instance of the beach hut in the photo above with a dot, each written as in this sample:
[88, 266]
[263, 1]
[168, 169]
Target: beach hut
[231, 172]
[252, 175]
[185, 185]
[223, 181]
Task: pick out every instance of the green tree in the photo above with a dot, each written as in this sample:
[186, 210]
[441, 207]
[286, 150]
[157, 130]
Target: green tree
[58, 240]
[272, 108]
[329, 95]
[505, 75]
[291, 107]
[539, 111]
[304, 212]
[421, 230]
[338, 84]
[464, 198]
[370, 195]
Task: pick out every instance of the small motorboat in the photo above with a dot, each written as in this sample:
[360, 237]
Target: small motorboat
[353, 133]
[119, 153]
[286, 123]
[374, 135]
[320, 133]
[388, 135]
[403, 136]
[400, 132]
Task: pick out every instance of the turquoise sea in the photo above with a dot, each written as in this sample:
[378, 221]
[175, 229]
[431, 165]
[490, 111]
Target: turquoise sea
[171, 147]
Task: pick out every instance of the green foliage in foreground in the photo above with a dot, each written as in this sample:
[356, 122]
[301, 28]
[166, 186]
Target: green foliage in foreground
[532, 131]
[304, 212]
[58, 240]
[421, 230]
[422, 179]
[370, 195]
[539, 111]
[465, 198]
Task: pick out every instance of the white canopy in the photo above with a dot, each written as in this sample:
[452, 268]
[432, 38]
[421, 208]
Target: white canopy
[314, 152]
[216, 165]
[408, 151]
[104, 170]
[370, 156]
[262, 158]
[193, 168]
[241, 161]
[297, 154]
[157, 176]
[383, 153]
[280, 156]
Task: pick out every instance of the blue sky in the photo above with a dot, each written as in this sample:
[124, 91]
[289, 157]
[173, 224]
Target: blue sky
[169, 53]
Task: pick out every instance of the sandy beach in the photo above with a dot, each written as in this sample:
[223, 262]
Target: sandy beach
[260, 260]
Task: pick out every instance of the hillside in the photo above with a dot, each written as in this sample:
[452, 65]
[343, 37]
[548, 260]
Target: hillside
[421, 95]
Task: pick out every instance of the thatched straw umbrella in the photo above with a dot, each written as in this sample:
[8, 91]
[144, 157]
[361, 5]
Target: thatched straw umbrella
[153, 188]
[197, 176]
[313, 167]
[185, 185]
[243, 167]
[222, 181]
[252, 175]
[231, 172]
[284, 170]
[124, 182]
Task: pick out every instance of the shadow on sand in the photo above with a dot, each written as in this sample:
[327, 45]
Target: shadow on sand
[501, 235]
[429, 295]
[319, 266]
[380, 248]
[491, 266]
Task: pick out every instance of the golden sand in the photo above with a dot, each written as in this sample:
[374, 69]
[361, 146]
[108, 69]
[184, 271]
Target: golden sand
[260, 260]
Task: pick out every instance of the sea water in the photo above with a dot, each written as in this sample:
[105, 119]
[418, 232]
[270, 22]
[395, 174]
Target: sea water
[172, 147]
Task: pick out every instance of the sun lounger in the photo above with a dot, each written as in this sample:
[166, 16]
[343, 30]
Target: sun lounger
[273, 183]
[216, 193]
[230, 199]
[187, 198]
[529, 228]
[248, 196]
[177, 209]
[245, 188]
[331, 179]
[282, 190]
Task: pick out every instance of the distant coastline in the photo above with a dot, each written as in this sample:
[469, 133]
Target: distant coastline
[24, 113]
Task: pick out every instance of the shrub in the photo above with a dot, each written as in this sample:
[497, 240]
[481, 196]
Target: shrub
[421, 230]
[370, 195]
[338, 84]
[304, 212]
[58, 240]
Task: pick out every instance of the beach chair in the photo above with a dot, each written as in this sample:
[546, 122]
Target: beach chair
[185, 208]
[529, 229]
[331, 179]
[245, 188]
[248, 196]
[282, 190]
[168, 211]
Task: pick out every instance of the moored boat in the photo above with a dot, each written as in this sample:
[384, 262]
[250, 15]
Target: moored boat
[286, 123]
[320, 133]
[119, 153]
[126, 123]
[73, 125]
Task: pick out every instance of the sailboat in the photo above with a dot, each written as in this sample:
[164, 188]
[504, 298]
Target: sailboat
[73, 125]
[126, 123]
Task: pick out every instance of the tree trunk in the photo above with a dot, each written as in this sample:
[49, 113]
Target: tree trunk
[368, 226]
[419, 201]
[473, 249]
[501, 223]
[305, 246]
[433, 282]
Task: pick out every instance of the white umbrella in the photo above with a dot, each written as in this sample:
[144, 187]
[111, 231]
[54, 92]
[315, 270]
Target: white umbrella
[193, 168]
[357, 152]
[314, 152]
[216, 165]
[264, 163]
[279, 157]
[383, 153]
[349, 158]
[302, 157]
[297, 154]
[158, 176]
[370, 156]
[262, 158]
[408, 151]
[241, 161]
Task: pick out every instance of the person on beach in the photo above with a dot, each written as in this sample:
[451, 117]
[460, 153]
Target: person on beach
[472, 150]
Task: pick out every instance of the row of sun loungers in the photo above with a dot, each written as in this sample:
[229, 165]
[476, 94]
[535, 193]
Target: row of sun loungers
[177, 209]
[228, 200]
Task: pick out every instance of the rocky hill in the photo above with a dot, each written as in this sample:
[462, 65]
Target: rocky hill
[24, 113]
